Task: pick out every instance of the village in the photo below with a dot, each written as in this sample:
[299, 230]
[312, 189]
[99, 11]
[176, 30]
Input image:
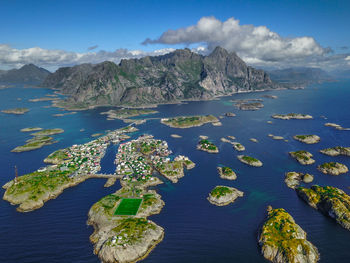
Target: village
[137, 159]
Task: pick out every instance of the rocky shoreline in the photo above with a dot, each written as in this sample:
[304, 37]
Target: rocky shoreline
[250, 161]
[293, 179]
[330, 201]
[282, 240]
[303, 157]
[291, 116]
[227, 173]
[224, 195]
[333, 168]
[335, 151]
[308, 139]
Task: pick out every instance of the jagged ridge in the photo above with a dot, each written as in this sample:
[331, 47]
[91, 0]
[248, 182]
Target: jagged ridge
[173, 77]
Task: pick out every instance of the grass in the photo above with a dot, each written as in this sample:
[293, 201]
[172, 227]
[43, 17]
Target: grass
[128, 206]
[249, 159]
[220, 191]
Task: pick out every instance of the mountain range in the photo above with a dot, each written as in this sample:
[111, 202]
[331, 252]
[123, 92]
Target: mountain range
[173, 77]
[28, 74]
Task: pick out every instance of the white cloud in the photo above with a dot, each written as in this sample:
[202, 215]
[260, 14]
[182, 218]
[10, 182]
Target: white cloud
[255, 44]
[11, 57]
[347, 58]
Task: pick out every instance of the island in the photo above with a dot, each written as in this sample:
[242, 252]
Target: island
[230, 114]
[69, 167]
[277, 137]
[253, 140]
[42, 99]
[249, 104]
[293, 179]
[282, 240]
[250, 160]
[207, 146]
[269, 96]
[238, 147]
[336, 126]
[291, 116]
[31, 129]
[48, 132]
[303, 157]
[188, 121]
[330, 201]
[127, 113]
[308, 139]
[335, 151]
[176, 136]
[34, 143]
[333, 168]
[17, 111]
[224, 195]
[122, 231]
[227, 173]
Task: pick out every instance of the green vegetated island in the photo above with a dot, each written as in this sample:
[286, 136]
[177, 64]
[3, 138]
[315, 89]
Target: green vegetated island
[122, 232]
[40, 138]
[127, 113]
[207, 146]
[189, 121]
[224, 195]
[17, 111]
[330, 201]
[250, 160]
[282, 240]
[69, 167]
[227, 173]
[303, 157]
[290, 116]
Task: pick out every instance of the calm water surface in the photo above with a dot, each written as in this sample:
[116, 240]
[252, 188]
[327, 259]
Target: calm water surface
[195, 230]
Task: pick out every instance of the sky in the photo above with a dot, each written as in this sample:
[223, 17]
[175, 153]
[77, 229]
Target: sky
[265, 34]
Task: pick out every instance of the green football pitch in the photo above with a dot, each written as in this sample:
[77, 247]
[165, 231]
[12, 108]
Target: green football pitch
[128, 206]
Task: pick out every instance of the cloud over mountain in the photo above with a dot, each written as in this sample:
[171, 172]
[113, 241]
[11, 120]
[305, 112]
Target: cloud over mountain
[11, 57]
[248, 41]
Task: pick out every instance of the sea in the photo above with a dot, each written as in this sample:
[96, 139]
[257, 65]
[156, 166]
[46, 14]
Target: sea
[195, 230]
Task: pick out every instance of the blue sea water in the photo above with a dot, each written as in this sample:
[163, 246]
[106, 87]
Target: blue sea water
[195, 230]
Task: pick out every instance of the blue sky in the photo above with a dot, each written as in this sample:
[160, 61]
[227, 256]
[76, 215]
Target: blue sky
[73, 26]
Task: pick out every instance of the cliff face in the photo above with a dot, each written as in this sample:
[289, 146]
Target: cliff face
[176, 76]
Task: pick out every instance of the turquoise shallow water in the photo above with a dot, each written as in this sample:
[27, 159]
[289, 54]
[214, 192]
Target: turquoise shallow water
[195, 230]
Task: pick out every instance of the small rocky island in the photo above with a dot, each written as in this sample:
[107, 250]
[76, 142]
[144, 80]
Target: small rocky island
[335, 151]
[293, 179]
[336, 126]
[238, 147]
[308, 139]
[250, 160]
[249, 104]
[16, 111]
[207, 146]
[303, 157]
[223, 195]
[127, 113]
[284, 241]
[31, 129]
[227, 173]
[330, 201]
[189, 121]
[333, 168]
[291, 116]
[230, 114]
[48, 132]
[40, 139]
